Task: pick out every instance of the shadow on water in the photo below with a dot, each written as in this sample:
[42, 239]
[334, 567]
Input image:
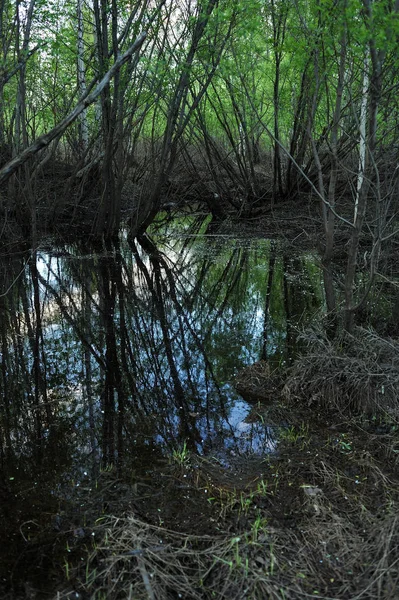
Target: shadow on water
[126, 353]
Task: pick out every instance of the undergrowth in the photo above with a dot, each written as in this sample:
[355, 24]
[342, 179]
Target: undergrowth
[319, 520]
[351, 374]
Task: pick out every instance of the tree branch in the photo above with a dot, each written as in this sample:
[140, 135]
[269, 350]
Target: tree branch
[44, 140]
[7, 75]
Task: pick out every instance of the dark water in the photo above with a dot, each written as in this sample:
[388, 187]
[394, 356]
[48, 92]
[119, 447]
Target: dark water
[123, 354]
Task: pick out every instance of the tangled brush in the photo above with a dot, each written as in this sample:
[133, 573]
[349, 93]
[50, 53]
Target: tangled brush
[352, 373]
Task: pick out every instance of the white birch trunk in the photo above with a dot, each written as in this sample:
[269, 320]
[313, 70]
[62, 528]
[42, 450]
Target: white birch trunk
[362, 131]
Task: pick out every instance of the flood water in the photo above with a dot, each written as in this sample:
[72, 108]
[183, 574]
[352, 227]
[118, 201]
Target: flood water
[123, 354]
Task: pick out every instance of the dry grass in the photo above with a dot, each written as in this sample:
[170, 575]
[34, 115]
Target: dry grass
[352, 374]
[329, 557]
[343, 542]
[256, 382]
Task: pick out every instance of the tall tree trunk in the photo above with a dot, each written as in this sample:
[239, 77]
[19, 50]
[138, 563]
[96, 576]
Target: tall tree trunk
[377, 58]
[328, 209]
[299, 138]
[279, 28]
[83, 125]
[178, 115]
[21, 140]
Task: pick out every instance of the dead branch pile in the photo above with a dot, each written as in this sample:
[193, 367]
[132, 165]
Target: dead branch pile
[136, 560]
[255, 382]
[353, 373]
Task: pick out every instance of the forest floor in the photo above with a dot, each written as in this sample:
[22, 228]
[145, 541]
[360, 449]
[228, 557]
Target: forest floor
[317, 518]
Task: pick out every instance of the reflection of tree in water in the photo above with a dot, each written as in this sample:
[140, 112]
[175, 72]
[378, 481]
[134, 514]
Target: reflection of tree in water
[137, 346]
[24, 404]
[293, 294]
[121, 354]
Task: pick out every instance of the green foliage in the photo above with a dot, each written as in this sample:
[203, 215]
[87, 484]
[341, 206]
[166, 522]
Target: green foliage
[182, 455]
[258, 70]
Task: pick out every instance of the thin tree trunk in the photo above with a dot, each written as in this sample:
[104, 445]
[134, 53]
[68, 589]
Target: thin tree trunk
[328, 211]
[178, 117]
[83, 125]
[279, 28]
[44, 140]
[362, 132]
[377, 59]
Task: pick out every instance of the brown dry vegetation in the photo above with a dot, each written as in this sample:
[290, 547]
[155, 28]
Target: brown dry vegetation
[319, 520]
[351, 374]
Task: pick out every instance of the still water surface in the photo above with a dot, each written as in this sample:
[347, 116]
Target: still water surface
[126, 353]
[140, 343]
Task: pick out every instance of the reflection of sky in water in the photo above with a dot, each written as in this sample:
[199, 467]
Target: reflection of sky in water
[214, 320]
[233, 436]
[248, 437]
